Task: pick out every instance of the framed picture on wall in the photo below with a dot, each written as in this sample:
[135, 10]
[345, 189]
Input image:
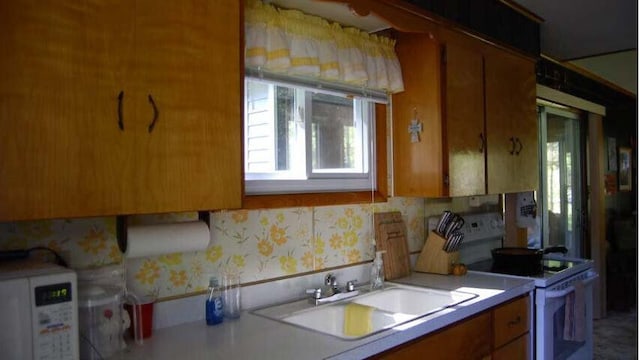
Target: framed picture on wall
[624, 168]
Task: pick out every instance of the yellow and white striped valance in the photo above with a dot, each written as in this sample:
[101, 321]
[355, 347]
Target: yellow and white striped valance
[297, 44]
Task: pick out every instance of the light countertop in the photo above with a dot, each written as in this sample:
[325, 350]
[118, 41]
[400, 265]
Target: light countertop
[255, 337]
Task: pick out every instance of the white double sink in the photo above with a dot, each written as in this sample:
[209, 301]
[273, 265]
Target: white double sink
[383, 309]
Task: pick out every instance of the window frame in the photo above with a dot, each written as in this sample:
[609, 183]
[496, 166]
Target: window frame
[377, 194]
[264, 183]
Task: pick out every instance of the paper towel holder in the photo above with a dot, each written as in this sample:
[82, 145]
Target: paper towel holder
[122, 224]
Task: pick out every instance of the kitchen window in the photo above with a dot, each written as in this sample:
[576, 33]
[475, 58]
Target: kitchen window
[301, 138]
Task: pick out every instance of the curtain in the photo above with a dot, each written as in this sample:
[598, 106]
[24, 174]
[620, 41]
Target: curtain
[297, 44]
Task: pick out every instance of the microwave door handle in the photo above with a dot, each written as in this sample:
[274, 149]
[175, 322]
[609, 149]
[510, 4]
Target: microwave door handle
[551, 294]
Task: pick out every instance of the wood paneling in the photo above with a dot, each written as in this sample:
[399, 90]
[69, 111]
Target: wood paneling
[493, 19]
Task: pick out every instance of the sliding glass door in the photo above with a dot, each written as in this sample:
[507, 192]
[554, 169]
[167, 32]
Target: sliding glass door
[562, 196]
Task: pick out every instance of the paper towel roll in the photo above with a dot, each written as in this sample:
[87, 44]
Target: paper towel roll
[154, 240]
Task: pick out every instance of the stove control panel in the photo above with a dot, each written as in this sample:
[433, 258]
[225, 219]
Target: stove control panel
[477, 227]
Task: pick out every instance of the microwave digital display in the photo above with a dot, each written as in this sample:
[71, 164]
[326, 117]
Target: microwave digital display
[53, 294]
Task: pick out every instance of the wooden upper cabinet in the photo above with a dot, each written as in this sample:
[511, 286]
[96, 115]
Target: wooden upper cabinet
[512, 130]
[418, 168]
[464, 118]
[476, 104]
[64, 64]
[188, 64]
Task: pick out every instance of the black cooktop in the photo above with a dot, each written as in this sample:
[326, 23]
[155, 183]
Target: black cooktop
[549, 266]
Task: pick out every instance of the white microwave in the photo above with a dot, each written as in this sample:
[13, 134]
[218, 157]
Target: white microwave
[39, 311]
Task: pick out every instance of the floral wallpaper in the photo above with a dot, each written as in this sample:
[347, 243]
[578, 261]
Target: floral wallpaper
[259, 244]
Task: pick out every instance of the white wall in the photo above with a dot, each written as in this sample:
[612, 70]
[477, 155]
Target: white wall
[619, 68]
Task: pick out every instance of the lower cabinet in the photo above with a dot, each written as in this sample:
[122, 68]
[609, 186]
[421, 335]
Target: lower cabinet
[516, 349]
[498, 333]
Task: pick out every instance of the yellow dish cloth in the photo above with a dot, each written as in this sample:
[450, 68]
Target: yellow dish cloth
[357, 319]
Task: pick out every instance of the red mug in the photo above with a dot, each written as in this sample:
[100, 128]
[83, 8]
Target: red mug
[144, 318]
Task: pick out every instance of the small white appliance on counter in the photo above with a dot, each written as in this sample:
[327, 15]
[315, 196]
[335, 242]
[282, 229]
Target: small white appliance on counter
[39, 311]
[563, 313]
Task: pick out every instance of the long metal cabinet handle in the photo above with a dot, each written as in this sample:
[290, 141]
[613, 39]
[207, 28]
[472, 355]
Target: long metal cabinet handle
[155, 114]
[120, 119]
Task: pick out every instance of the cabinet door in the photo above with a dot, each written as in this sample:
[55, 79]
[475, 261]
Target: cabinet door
[510, 321]
[469, 339]
[188, 56]
[517, 349]
[62, 66]
[464, 114]
[418, 166]
[512, 157]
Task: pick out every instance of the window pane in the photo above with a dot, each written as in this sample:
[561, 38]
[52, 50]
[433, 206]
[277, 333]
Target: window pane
[259, 122]
[285, 126]
[337, 135]
[294, 134]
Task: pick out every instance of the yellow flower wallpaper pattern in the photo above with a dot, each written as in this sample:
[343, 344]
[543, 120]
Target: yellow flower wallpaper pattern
[259, 244]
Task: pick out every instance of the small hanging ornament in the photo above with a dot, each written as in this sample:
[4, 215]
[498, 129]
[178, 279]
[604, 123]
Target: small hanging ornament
[415, 127]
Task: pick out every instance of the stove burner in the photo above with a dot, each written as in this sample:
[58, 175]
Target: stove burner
[518, 270]
[555, 268]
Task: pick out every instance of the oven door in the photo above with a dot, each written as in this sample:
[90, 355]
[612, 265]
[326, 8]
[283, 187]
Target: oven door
[564, 318]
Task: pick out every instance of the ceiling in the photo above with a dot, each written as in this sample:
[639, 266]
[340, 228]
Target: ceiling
[574, 29]
[600, 36]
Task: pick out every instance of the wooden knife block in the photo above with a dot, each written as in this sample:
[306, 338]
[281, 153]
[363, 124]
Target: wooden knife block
[433, 259]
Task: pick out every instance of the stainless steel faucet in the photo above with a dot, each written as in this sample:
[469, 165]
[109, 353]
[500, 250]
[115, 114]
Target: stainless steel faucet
[331, 291]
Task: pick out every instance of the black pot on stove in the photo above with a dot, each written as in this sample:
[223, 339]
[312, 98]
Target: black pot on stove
[521, 261]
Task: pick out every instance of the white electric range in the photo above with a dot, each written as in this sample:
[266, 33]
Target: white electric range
[563, 312]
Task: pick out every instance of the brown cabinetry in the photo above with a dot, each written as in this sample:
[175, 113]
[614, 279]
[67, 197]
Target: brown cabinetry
[512, 126]
[464, 117]
[480, 101]
[510, 321]
[82, 84]
[418, 165]
[468, 339]
[498, 333]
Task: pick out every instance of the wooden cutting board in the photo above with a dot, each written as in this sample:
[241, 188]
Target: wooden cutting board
[391, 236]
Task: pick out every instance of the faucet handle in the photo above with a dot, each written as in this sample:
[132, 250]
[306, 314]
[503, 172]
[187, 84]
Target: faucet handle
[351, 285]
[330, 280]
[315, 293]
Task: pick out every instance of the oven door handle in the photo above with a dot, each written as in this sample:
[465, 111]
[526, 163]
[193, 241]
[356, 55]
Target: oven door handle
[550, 294]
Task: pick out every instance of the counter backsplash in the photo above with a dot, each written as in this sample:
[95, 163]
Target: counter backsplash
[261, 244]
